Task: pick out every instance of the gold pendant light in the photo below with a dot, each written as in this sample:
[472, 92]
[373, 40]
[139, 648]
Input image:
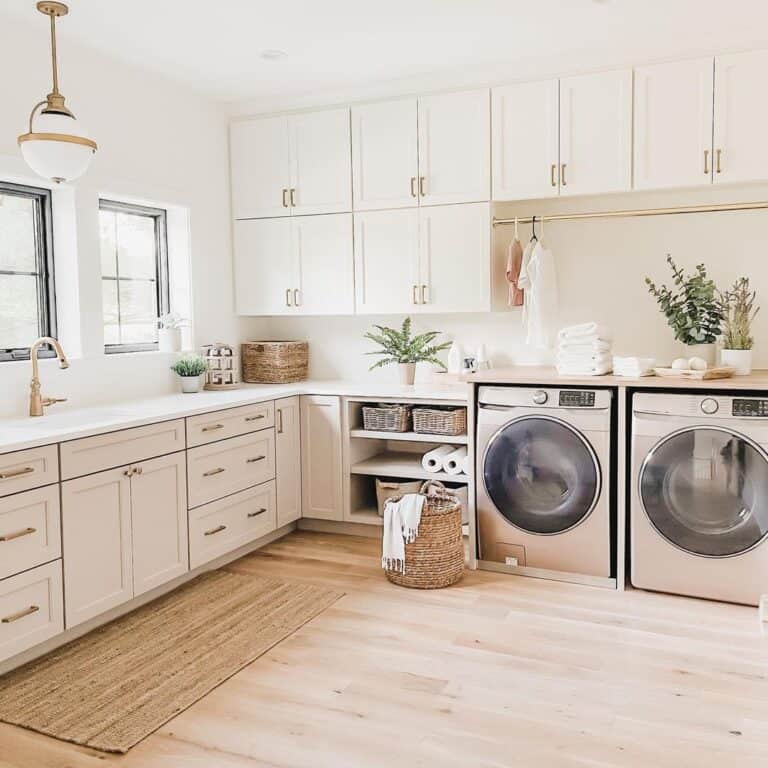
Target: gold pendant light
[55, 147]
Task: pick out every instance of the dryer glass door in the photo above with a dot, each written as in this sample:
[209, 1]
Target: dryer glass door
[541, 474]
[705, 490]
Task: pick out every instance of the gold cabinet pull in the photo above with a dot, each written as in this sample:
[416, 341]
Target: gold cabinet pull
[16, 473]
[552, 171]
[18, 534]
[293, 197]
[279, 421]
[415, 294]
[424, 297]
[421, 186]
[563, 166]
[212, 427]
[288, 297]
[212, 472]
[413, 186]
[706, 162]
[255, 459]
[285, 198]
[214, 531]
[20, 614]
[255, 418]
[296, 297]
[718, 161]
[257, 512]
[128, 472]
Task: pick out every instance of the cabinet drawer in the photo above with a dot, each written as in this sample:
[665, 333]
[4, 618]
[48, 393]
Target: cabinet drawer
[31, 609]
[93, 454]
[225, 525]
[23, 470]
[210, 427]
[30, 530]
[228, 466]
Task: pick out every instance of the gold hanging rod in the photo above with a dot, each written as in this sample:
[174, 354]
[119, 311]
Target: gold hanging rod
[763, 205]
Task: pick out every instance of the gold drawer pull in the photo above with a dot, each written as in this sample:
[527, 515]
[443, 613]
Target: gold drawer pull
[255, 459]
[17, 534]
[216, 471]
[212, 427]
[217, 529]
[257, 512]
[16, 473]
[254, 418]
[20, 615]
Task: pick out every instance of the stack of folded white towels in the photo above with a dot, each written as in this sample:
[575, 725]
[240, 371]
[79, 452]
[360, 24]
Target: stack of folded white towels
[634, 367]
[584, 350]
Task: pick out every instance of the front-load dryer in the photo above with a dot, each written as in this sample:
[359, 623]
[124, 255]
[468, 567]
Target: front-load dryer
[543, 478]
[699, 495]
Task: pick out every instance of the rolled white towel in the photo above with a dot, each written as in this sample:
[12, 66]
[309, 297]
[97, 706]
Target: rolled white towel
[453, 463]
[583, 330]
[432, 461]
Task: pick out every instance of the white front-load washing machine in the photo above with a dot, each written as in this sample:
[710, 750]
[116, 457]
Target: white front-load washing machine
[543, 480]
[699, 495]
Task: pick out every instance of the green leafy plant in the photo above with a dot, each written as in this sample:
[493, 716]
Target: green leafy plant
[402, 347]
[691, 306]
[194, 365]
[738, 309]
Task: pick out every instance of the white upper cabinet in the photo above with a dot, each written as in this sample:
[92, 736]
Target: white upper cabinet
[596, 133]
[455, 147]
[740, 151]
[321, 172]
[299, 164]
[260, 162]
[385, 166]
[454, 267]
[525, 140]
[386, 261]
[673, 124]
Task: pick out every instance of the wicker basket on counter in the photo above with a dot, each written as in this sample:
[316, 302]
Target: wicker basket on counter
[440, 421]
[275, 362]
[387, 417]
[435, 558]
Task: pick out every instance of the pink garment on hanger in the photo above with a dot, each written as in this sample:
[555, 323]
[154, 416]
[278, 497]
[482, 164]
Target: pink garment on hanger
[514, 262]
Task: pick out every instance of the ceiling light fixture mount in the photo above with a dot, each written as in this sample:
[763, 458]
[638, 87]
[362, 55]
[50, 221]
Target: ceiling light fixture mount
[57, 150]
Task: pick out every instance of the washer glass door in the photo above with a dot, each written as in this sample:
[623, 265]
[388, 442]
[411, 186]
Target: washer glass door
[705, 490]
[541, 474]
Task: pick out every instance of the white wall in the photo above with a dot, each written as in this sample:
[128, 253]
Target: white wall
[157, 142]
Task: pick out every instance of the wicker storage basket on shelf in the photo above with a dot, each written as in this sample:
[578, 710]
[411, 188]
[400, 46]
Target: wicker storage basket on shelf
[436, 558]
[387, 417]
[275, 362]
[440, 421]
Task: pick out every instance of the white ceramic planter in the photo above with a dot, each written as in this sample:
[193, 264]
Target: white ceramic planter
[407, 373]
[190, 383]
[169, 339]
[707, 352]
[740, 359]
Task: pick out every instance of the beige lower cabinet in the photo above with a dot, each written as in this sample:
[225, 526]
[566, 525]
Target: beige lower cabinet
[321, 457]
[288, 459]
[124, 532]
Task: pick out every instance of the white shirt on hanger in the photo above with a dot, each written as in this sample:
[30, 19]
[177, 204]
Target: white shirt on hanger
[540, 314]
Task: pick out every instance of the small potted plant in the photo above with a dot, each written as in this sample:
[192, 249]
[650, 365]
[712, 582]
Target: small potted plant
[169, 333]
[692, 309]
[739, 311]
[190, 369]
[406, 350]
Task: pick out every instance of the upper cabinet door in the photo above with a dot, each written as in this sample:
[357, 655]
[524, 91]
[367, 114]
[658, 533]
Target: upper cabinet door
[260, 160]
[321, 171]
[386, 261]
[454, 258]
[741, 117]
[596, 133]
[673, 124]
[325, 265]
[525, 140]
[384, 155]
[455, 148]
[264, 267]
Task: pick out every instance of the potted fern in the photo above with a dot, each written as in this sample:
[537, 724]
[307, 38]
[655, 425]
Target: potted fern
[405, 349]
[190, 369]
[692, 309]
[739, 311]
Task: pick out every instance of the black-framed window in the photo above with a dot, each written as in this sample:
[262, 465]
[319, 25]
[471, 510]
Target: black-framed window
[134, 274]
[27, 295]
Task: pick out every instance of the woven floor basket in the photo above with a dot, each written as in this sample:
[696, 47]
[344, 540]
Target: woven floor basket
[275, 362]
[436, 558]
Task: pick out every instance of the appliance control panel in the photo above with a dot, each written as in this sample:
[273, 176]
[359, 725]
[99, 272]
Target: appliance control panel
[750, 407]
[577, 398]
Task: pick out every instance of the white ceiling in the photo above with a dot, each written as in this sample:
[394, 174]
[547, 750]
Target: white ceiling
[343, 49]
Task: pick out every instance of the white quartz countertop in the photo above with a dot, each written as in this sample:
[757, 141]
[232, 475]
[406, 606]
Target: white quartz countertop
[70, 421]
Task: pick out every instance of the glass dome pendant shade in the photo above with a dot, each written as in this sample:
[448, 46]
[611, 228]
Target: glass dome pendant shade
[55, 146]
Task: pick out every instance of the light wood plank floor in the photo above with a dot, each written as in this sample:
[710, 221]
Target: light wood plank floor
[497, 671]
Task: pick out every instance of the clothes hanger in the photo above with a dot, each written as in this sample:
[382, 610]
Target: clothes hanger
[516, 235]
[533, 228]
